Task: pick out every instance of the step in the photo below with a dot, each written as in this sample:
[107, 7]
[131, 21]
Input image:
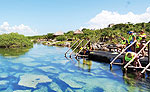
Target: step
[82, 55]
[136, 67]
[118, 63]
[148, 70]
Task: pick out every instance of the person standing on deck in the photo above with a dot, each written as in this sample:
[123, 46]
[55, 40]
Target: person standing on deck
[142, 41]
[123, 44]
[131, 39]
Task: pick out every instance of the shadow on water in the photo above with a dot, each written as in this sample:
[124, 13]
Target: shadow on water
[133, 80]
[85, 64]
[13, 51]
[82, 64]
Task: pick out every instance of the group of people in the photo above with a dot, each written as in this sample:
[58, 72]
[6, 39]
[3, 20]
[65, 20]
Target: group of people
[131, 52]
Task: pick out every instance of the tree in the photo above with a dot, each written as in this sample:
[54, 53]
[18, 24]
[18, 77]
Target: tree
[50, 36]
[14, 40]
[61, 38]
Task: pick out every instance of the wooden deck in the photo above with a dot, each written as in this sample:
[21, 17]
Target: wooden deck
[104, 56]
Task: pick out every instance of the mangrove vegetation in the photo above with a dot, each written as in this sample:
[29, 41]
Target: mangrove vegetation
[14, 40]
[111, 34]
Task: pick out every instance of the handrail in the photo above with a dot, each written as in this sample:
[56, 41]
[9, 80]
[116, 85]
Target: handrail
[82, 48]
[149, 62]
[71, 47]
[137, 54]
[76, 47]
[122, 52]
[145, 68]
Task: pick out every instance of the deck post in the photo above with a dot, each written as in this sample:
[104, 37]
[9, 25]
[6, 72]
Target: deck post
[110, 66]
[125, 70]
[143, 75]
[135, 47]
[149, 52]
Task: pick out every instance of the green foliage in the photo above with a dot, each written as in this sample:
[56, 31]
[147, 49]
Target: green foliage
[60, 43]
[79, 36]
[50, 36]
[111, 33]
[69, 34]
[13, 51]
[61, 38]
[14, 40]
[37, 37]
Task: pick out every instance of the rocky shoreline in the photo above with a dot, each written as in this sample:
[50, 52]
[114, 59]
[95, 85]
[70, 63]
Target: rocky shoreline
[95, 46]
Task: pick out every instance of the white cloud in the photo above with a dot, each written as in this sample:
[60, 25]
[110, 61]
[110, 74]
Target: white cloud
[21, 29]
[105, 18]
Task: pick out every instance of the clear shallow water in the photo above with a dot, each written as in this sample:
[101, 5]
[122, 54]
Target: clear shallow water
[45, 69]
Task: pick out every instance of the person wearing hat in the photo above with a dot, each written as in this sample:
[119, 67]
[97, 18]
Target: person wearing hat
[131, 39]
[142, 38]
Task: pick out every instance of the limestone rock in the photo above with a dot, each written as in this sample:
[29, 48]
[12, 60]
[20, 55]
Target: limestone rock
[69, 90]
[31, 80]
[3, 84]
[3, 75]
[22, 91]
[66, 77]
[41, 89]
[55, 87]
[21, 60]
[50, 69]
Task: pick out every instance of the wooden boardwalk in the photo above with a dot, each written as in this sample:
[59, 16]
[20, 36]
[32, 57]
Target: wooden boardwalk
[115, 58]
[104, 56]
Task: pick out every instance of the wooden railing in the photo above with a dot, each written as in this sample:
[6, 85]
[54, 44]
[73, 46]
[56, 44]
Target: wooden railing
[148, 59]
[76, 47]
[121, 53]
[82, 48]
[145, 68]
[71, 47]
[136, 55]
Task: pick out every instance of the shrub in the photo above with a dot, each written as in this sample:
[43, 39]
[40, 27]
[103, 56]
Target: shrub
[61, 38]
[14, 40]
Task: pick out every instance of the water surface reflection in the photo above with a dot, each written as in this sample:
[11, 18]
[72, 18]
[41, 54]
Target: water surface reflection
[45, 69]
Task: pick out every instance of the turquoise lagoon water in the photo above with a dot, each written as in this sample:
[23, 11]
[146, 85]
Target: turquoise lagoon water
[45, 69]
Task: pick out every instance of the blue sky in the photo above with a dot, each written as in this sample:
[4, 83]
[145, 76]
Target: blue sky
[49, 16]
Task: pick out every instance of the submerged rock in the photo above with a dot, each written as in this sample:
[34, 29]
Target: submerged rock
[31, 64]
[7, 90]
[68, 79]
[58, 61]
[69, 90]
[27, 69]
[22, 91]
[102, 85]
[3, 84]
[50, 69]
[45, 68]
[3, 75]
[15, 67]
[55, 87]
[31, 80]
[21, 60]
[17, 75]
[91, 89]
[41, 89]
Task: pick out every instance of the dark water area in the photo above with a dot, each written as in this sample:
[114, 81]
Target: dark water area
[45, 69]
